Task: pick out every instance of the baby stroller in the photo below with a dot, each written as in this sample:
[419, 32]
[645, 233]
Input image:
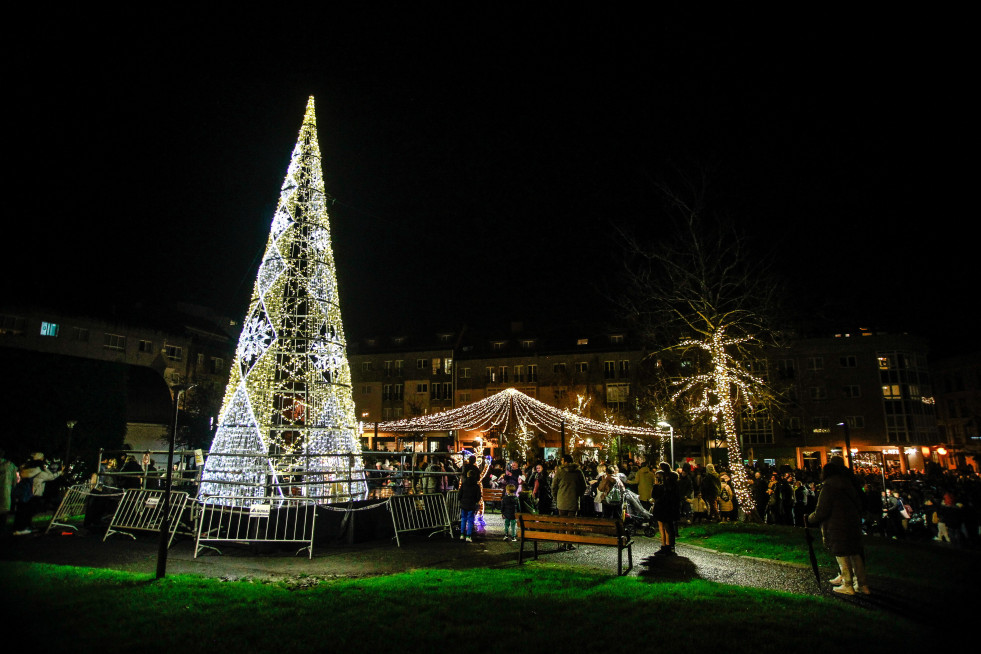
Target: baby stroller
[636, 517]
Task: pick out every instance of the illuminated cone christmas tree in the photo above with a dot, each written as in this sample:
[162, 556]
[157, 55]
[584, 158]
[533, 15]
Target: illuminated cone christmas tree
[287, 424]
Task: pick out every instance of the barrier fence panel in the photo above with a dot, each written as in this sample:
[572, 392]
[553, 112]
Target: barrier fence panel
[453, 508]
[248, 520]
[417, 512]
[75, 503]
[142, 510]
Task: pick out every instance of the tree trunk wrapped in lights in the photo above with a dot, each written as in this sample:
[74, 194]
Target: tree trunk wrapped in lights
[703, 302]
[287, 424]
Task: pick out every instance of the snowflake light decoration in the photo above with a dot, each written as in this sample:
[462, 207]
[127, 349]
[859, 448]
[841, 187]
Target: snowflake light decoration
[288, 425]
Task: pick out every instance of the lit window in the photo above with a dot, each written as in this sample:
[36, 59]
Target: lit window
[49, 329]
[891, 392]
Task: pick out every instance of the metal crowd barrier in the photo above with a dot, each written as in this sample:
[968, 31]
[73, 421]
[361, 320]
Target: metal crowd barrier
[248, 520]
[74, 504]
[417, 512]
[453, 506]
[142, 510]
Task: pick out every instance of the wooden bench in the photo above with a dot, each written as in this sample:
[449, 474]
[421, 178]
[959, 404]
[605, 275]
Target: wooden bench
[492, 495]
[570, 529]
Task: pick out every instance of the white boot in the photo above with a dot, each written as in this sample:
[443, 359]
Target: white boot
[846, 577]
[858, 567]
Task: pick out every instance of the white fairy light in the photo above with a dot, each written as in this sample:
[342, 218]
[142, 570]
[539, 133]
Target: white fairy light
[499, 410]
[288, 414]
[720, 388]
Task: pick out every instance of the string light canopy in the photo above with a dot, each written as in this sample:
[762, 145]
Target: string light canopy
[511, 411]
[287, 424]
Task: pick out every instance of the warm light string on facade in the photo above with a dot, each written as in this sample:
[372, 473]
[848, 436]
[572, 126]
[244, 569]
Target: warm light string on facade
[288, 412]
[720, 389]
[512, 411]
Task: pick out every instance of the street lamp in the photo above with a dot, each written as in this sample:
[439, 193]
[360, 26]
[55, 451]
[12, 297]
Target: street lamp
[663, 423]
[165, 520]
[68, 448]
[848, 443]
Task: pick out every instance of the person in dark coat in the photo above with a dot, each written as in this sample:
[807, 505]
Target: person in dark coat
[541, 488]
[839, 512]
[711, 486]
[470, 496]
[667, 508]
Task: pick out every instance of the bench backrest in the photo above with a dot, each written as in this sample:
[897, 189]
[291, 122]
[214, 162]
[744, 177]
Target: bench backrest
[554, 524]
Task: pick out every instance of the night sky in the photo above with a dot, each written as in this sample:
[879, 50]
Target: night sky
[480, 163]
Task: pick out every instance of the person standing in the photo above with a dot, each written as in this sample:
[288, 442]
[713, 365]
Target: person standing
[470, 496]
[8, 477]
[509, 511]
[35, 475]
[839, 512]
[711, 486]
[542, 490]
[667, 509]
[727, 504]
[610, 491]
[568, 488]
[645, 485]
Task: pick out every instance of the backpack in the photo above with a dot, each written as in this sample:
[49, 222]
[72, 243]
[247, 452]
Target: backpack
[24, 490]
[724, 496]
[614, 495]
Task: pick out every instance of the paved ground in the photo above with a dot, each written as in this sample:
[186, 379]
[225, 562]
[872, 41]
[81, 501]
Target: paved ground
[489, 550]
[383, 556]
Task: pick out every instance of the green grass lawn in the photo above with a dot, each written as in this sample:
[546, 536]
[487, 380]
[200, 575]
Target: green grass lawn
[903, 560]
[541, 605]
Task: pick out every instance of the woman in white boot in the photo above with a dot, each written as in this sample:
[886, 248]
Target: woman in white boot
[839, 512]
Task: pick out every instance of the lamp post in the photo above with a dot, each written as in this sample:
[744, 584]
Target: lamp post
[663, 423]
[68, 448]
[848, 444]
[177, 389]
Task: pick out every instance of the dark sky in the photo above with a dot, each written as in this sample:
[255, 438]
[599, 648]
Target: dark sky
[481, 162]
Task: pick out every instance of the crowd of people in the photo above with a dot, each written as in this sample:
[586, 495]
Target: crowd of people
[26, 490]
[942, 505]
